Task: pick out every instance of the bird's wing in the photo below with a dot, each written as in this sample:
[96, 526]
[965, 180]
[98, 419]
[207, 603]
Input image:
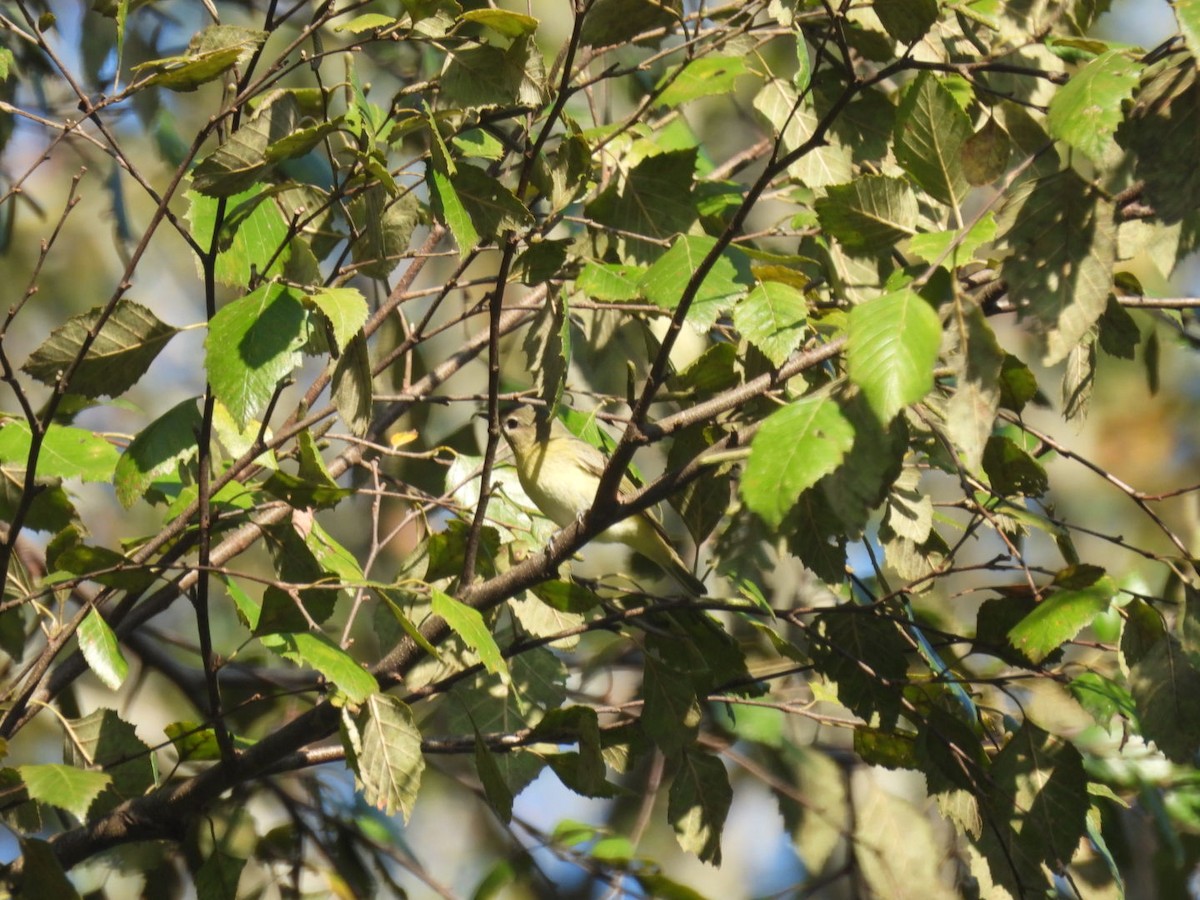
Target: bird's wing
[593, 461]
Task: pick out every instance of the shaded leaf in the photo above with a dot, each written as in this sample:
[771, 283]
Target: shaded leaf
[211, 53]
[866, 656]
[985, 154]
[492, 207]
[122, 351]
[241, 161]
[1162, 127]
[486, 77]
[1059, 274]
[619, 21]
[871, 213]
[931, 129]
[698, 803]
[906, 20]
[654, 199]
[671, 711]
[352, 386]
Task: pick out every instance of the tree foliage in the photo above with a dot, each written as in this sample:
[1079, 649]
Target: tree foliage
[829, 279]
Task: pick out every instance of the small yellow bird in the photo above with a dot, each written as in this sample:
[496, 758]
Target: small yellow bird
[560, 473]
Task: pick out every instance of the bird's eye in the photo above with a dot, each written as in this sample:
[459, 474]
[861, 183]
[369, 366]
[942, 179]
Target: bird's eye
[511, 423]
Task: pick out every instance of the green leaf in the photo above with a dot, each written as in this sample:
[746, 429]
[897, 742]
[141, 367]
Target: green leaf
[671, 713]
[66, 787]
[102, 738]
[610, 282]
[871, 213]
[252, 232]
[892, 347]
[773, 318]
[449, 209]
[485, 77]
[828, 164]
[157, 452]
[1060, 617]
[1086, 111]
[66, 452]
[866, 655]
[953, 248]
[314, 650]
[386, 752]
[198, 743]
[1165, 685]
[353, 386]
[100, 649]
[241, 161]
[701, 77]
[478, 144]
[971, 410]
[99, 564]
[1018, 385]
[665, 281]
[468, 624]
[366, 22]
[1039, 794]
[698, 804]
[218, 876]
[985, 154]
[502, 21]
[620, 21]
[253, 344]
[1011, 470]
[344, 308]
[931, 129]
[906, 20]
[1187, 15]
[655, 200]
[1059, 274]
[211, 53]
[1163, 126]
[795, 447]
[493, 208]
[499, 797]
[126, 344]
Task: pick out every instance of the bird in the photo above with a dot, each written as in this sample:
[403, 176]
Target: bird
[561, 472]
